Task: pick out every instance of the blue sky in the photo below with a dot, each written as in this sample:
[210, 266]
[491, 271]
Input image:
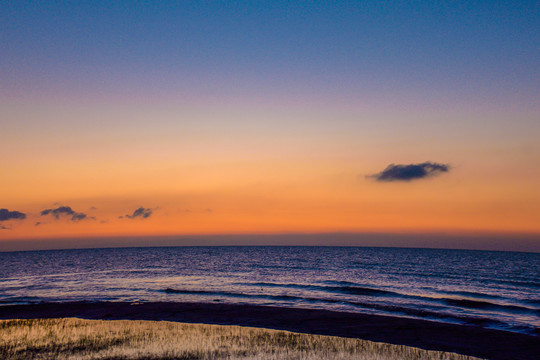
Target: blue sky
[484, 49]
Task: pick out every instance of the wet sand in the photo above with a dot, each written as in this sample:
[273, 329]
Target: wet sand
[429, 335]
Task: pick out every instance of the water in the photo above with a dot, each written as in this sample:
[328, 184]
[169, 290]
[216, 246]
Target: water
[483, 288]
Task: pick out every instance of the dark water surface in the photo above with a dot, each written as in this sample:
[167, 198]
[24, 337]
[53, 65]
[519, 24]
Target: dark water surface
[484, 288]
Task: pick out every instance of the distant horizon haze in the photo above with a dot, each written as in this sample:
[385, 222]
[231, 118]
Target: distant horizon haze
[470, 241]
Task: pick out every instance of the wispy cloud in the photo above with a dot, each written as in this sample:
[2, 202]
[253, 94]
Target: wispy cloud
[65, 211]
[408, 172]
[5, 215]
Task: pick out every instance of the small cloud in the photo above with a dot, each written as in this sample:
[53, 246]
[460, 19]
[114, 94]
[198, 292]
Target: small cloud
[140, 213]
[5, 215]
[2, 227]
[58, 211]
[410, 172]
[78, 217]
[37, 224]
[64, 210]
[93, 208]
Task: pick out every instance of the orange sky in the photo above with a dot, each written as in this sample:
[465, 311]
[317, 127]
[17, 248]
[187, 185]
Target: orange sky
[248, 176]
[227, 119]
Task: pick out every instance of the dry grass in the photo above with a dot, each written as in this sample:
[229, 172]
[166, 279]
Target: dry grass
[124, 339]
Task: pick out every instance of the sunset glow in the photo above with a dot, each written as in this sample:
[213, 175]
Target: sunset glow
[253, 119]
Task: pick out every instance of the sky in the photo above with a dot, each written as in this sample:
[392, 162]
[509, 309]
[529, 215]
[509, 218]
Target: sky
[161, 119]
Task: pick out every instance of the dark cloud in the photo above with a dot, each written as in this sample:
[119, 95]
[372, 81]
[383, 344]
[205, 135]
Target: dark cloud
[140, 213]
[2, 227]
[410, 172]
[5, 215]
[64, 210]
[78, 217]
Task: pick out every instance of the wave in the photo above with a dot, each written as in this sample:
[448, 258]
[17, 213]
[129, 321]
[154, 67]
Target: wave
[518, 283]
[348, 289]
[472, 294]
[532, 301]
[423, 313]
[472, 302]
[251, 296]
[384, 307]
[20, 300]
[413, 311]
[486, 305]
[363, 291]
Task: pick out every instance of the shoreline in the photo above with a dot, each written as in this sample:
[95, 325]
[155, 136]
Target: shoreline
[430, 335]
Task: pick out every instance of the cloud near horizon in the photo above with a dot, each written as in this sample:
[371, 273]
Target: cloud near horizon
[408, 172]
[141, 212]
[5, 215]
[65, 210]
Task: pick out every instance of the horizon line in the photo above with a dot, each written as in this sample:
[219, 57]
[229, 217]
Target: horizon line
[521, 242]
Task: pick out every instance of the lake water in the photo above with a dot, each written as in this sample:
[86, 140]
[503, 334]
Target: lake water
[483, 288]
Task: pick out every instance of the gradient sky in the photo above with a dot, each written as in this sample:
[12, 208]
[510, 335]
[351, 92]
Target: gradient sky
[225, 117]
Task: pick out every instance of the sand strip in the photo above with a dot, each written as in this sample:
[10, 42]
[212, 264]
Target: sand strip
[429, 335]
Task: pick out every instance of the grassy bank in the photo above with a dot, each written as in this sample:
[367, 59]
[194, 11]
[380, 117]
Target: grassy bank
[127, 339]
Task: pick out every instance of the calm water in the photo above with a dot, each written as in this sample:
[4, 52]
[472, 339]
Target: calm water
[489, 289]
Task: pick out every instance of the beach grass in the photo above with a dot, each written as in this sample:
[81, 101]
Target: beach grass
[69, 338]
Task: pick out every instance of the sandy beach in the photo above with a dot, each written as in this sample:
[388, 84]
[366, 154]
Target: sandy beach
[429, 335]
